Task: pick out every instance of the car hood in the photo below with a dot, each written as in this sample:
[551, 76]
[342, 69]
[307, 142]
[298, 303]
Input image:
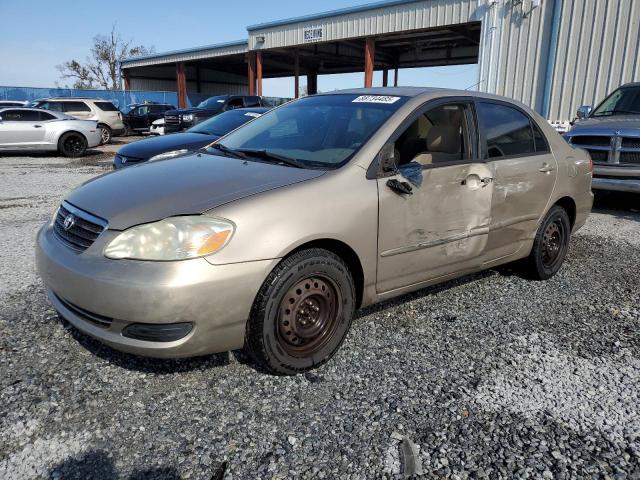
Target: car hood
[149, 147]
[184, 185]
[183, 111]
[607, 125]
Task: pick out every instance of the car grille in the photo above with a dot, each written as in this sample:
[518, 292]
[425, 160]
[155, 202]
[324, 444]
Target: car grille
[610, 149]
[126, 160]
[172, 120]
[93, 318]
[81, 231]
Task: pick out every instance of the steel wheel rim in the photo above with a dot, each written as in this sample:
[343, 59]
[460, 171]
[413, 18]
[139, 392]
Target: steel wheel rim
[105, 135]
[307, 317]
[73, 145]
[552, 243]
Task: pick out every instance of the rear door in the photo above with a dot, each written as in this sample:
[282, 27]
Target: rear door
[78, 109]
[442, 226]
[524, 171]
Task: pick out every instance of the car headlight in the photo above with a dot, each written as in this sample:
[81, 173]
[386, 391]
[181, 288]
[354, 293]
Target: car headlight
[187, 118]
[174, 238]
[171, 154]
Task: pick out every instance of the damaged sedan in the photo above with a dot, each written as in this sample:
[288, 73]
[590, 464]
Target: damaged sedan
[272, 237]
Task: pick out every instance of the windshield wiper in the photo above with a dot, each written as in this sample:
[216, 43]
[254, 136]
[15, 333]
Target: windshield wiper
[230, 151]
[267, 155]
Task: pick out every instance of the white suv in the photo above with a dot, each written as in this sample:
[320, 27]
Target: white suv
[104, 112]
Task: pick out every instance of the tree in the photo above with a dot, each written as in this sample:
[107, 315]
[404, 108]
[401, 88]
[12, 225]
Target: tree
[102, 67]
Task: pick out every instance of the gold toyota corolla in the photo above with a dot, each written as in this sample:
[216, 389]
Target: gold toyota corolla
[271, 237]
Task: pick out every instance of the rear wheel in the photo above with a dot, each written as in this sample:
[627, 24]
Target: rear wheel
[550, 245]
[106, 134]
[302, 313]
[72, 144]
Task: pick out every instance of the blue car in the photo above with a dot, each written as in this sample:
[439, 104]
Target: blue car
[168, 146]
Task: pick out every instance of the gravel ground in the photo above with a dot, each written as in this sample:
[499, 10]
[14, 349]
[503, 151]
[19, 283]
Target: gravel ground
[486, 376]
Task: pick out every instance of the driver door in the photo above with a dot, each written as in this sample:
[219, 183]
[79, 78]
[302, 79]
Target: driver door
[442, 225]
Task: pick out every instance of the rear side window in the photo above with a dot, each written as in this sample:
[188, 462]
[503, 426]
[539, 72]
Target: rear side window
[106, 106]
[76, 107]
[44, 116]
[54, 106]
[539, 139]
[507, 131]
[252, 101]
[20, 115]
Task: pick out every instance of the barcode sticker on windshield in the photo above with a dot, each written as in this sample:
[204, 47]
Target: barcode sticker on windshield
[375, 99]
[252, 114]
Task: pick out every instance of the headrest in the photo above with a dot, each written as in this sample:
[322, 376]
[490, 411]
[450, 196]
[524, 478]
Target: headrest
[444, 139]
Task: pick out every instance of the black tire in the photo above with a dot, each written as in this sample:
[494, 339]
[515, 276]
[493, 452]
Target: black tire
[72, 145]
[106, 134]
[550, 245]
[290, 341]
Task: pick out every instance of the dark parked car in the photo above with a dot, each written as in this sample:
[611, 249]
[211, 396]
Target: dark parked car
[178, 120]
[139, 116]
[611, 134]
[203, 134]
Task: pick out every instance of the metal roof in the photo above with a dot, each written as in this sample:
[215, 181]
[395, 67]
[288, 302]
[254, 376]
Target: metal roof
[218, 49]
[331, 13]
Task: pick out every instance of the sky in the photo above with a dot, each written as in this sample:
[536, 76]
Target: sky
[37, 35]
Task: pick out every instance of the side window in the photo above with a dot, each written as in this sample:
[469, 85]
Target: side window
[106, 106]
[21, 115]
[439, 135]
[252, 101]
[76, 107]
[539, 139]
[44, 116]
[143, 110]
[157, 108]
[235, 103]
[507, 130]
[54, 106]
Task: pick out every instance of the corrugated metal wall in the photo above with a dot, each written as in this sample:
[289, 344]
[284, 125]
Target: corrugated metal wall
[598, 50]
[395, 18]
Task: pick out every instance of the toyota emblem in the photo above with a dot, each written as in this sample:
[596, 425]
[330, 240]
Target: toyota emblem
[69, 221]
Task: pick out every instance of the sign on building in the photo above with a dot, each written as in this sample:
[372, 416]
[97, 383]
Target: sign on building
[313, 34]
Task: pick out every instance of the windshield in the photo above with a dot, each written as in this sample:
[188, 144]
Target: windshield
[322, 131]
[623, 101]
[214, 103]
[224, 123]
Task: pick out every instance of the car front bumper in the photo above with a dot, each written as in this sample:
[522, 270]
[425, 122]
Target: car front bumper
[102, 297]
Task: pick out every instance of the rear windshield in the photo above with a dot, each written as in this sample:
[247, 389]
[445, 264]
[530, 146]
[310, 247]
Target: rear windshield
[224, 123]
[322, 131]
[106, 106]
[214, 103]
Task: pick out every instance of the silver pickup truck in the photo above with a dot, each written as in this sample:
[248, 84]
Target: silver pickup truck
[611, 134]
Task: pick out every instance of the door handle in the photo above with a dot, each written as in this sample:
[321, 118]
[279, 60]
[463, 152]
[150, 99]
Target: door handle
[486, 181]
[546, 168]
[37, 126]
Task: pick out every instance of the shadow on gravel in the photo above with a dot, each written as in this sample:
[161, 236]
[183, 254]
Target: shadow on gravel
[619, 204]
[97, 465]
[144, 364]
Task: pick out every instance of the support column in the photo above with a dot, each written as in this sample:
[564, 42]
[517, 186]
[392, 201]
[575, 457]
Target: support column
[127, 81]
[251, 72]
[385, 77]
[369, 60]
[198, 84]
[395, 77]
[259, 71]
[181, 84]
[296, 74]
[312, 82]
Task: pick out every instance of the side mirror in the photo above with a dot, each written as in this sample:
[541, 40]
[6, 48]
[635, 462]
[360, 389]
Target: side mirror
[584, 111]
[387, 158]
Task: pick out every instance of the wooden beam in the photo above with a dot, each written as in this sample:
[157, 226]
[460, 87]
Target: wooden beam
[198, 84]
[369, 61]
[385, 77]
[126, 79]
[181, 84]
[259, 71]
[251, 72]
[296, 74]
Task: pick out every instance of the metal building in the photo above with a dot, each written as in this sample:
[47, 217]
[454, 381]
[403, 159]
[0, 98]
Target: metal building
[553, 55]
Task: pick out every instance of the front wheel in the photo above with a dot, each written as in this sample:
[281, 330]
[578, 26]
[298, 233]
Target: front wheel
[302, 313]
[550, 245]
